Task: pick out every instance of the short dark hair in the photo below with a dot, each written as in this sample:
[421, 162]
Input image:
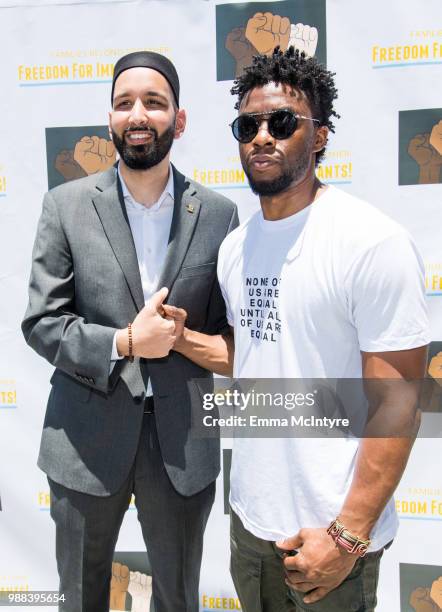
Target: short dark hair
[295, 69]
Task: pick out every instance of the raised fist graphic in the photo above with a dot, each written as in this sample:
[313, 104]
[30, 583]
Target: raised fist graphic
[119, 584]
[140, 589]
[241, 49]
[94, 154]
[427, 157]
[436, 137]
[421, 601]
[266, 31]
[66, 165]
[436, 592]
[304, 38]
[435, 371]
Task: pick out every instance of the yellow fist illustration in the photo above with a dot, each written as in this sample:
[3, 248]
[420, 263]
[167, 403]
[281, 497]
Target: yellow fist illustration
[266, 31]
[94, 154]
[436, 590]
[436, 137]
[119, 584]
[435, 371]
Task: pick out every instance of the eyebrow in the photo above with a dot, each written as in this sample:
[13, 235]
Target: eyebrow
[155, 94]
[282, 108]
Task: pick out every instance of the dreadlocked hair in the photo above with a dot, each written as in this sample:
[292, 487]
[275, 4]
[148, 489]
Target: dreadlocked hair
[295, 69]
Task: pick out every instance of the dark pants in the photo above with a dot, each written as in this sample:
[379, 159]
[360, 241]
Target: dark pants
[258, 574]
[173, 526]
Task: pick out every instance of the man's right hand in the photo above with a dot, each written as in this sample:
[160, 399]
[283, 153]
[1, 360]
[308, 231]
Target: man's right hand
[152, 335]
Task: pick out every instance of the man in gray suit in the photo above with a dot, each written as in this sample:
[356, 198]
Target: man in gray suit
[110, 250]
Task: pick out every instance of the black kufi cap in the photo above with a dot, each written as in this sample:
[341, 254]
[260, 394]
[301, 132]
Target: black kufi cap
[149, 59]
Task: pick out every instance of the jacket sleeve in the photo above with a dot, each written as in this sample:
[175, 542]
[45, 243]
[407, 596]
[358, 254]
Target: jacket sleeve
[51, 326]
[216, 322]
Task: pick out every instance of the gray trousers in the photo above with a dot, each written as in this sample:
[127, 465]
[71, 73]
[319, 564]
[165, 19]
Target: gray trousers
[172, 525]
[258, 574]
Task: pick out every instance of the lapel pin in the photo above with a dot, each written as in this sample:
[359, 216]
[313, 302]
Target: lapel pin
[190, 208]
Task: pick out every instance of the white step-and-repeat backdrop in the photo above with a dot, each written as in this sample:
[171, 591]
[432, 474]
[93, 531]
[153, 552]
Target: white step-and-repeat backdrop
[55, 74]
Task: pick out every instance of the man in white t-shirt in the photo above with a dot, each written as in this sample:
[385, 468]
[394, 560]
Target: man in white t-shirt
[318, 284]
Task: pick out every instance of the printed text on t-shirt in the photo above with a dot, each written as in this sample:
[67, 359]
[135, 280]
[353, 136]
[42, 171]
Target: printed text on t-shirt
[260, 314]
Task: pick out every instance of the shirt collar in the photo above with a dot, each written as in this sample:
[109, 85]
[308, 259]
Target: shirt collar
[168, 192]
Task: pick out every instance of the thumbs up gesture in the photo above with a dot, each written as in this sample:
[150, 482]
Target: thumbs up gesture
[152, 335]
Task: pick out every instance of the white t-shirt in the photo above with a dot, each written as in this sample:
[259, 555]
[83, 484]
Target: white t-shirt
[305, 295]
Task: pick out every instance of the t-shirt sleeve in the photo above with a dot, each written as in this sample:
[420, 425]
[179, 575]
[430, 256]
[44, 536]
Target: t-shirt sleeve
[387, 296]
[222, 280]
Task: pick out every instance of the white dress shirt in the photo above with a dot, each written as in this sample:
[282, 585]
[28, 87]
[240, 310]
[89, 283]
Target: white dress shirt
[150, 226]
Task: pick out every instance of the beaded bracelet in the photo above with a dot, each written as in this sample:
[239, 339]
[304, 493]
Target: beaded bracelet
[131, 346]
[342, 537]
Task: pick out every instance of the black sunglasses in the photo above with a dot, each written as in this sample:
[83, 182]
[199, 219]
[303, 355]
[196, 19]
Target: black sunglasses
[282, 123]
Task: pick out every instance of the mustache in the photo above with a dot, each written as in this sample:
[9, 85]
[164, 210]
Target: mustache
[140, 128]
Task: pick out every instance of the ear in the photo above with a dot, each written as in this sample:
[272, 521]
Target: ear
[321, 138]
[180, 123]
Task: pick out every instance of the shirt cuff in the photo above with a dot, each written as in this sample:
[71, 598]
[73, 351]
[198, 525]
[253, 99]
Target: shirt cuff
[114, 355]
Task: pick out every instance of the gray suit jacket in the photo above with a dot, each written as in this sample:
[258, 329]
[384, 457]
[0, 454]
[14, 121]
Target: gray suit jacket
[85, 284]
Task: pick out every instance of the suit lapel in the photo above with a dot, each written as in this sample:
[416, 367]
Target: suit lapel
[185, 215]
[109, 204]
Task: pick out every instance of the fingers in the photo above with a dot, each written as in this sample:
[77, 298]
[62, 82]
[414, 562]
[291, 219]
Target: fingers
[290, 543]
[304, 38]
[95, 144]
[299, 28]
[158, 298]
[258, 20]
[419, 139]
[419, 594]
[120, 572]
[110, 149]
[102, 147]
[84, 144]
[276, 24]
[313, 34]
[124, 571]
[316, 595]
[268, 23]
[284, 26]
[416, 143]
[168, 325]
[302, 587]
[297, 578]
[178, 314]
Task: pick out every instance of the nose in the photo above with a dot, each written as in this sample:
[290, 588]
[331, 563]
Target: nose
[263, 137]
[138, 114]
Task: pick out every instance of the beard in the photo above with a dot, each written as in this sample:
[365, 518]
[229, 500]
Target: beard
[144, 156]
[287, 177]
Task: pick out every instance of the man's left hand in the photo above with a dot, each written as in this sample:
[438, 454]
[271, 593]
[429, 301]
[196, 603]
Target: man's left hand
[319, 567]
